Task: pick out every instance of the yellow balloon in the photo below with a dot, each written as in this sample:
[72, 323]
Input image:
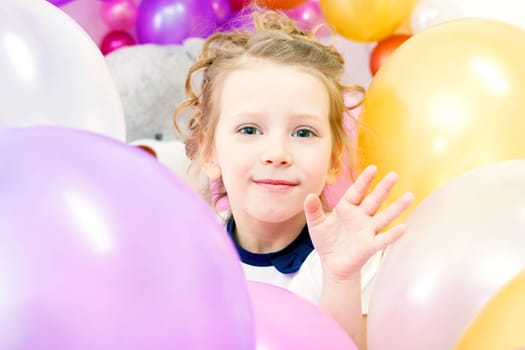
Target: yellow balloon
[366, 20]
[448, 100]
[499, 325]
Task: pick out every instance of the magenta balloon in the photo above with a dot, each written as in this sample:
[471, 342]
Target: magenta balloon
[173, 21]
[307, 15]
[119, 14]
[114, 40]
[285, 321]
[101, 247]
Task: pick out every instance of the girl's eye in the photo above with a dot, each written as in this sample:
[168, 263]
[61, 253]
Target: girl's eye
[304, 133]
[249, 130]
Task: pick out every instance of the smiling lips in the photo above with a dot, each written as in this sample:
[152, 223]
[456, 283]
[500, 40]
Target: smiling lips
[276, 185]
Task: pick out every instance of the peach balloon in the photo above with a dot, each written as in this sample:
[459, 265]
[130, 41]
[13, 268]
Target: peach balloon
[366, 20]
[448, 100]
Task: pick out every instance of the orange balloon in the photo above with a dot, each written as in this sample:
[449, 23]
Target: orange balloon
[279, 4]
[499, 325]
[448, 100]
[383, 49]
[366, 20]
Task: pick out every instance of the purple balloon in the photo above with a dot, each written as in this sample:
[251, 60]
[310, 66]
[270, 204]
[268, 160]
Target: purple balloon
[173, 21]
[59, 2]
[101, 247]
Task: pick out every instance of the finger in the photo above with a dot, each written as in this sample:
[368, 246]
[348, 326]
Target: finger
[394, 210]
[375, 199]
[359, 188]
[383, 240]
[313, 210]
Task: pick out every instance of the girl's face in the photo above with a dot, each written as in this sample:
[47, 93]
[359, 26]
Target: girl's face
[273, 140]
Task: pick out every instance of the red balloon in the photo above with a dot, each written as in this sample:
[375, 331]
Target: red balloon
[384, 48]
[237, 5]
[279, 4]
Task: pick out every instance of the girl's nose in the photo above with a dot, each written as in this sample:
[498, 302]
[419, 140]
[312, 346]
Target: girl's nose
[276, 154]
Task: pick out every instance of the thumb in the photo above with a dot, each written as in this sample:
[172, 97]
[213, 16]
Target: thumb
[313, 210]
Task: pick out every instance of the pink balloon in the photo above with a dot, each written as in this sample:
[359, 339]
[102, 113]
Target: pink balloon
[101, 247]
[87, 14]
[119, 14]
[115, 40]
[335, 191]
[285, 321]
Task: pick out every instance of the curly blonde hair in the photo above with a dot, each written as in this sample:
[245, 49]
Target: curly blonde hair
[275, 38]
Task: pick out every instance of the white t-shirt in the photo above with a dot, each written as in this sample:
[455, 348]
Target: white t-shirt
[307, 281]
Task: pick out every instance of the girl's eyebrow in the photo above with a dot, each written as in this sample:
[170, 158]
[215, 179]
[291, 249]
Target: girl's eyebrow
[308, 116]
[295, 116]
[244, 114]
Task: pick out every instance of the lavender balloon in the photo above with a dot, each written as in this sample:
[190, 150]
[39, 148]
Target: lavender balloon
[103, 248]
[173, 21]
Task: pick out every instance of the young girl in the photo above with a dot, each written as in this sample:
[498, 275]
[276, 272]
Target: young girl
[267, 125]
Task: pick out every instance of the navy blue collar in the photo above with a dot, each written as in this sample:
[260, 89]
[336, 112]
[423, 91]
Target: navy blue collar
[287, 260]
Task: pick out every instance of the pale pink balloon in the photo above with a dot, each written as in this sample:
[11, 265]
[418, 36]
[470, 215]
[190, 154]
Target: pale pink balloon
[463, 243]
[119, 14]
[286, 321]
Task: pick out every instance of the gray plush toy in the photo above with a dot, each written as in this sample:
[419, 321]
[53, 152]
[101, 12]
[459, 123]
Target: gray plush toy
[150, 80]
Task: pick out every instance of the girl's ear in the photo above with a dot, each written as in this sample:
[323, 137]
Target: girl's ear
[334, 172]
[333, 175]
[212, 169]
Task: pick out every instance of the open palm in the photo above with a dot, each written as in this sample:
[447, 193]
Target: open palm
[348, 236]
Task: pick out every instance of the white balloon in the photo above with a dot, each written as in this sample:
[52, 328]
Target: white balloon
[52, 73]
[430, 12]
[463, 243]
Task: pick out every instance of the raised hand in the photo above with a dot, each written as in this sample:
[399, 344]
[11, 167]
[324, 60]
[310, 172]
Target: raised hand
[348, 236]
